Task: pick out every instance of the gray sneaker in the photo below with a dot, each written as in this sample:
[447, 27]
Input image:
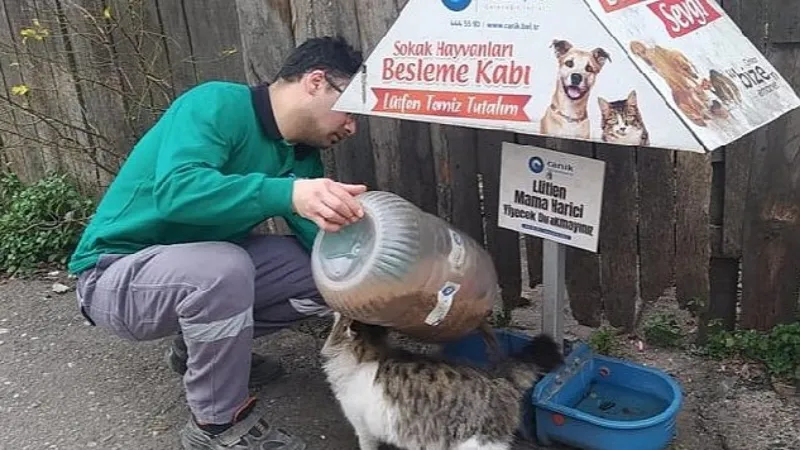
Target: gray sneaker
[253, 432]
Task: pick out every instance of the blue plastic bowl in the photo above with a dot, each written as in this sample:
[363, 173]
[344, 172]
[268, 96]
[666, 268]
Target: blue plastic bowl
[592, 402]
[595, 402]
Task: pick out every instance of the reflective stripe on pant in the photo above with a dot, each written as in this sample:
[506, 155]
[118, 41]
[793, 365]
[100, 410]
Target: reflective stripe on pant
[219, 295]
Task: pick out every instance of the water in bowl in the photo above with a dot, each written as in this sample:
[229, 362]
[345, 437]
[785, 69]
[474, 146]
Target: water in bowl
[613, 402]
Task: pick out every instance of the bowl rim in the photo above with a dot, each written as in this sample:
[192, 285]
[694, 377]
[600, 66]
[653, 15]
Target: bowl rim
[583, 349]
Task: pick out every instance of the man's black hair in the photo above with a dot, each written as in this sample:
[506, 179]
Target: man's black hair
[334, 55]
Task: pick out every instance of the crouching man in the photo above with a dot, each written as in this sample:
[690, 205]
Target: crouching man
[170, 252]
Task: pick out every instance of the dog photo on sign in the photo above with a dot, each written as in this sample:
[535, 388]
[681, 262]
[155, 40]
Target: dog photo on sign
[578, 69]
[700, 99]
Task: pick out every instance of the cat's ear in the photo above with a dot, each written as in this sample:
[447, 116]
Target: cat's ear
[348, 329]
[604, 106]
[366, 331]
[561, 47]
[343, 324]
[632, 98]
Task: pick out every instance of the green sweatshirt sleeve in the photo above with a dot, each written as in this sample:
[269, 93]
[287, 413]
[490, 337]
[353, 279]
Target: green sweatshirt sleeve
[198, 139]
[304, 229]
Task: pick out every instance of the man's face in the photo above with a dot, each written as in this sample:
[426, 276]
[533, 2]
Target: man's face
[327, 127]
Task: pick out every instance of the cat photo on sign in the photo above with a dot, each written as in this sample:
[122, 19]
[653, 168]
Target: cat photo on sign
[621, 121]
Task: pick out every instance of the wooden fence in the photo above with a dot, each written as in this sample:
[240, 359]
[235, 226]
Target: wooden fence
[82, 79]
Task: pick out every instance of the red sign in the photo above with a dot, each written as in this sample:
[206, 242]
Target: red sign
[681, 17]
[471, 105]
[614, 5]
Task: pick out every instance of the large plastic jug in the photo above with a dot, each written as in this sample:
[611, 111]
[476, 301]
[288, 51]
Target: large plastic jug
[406, 269]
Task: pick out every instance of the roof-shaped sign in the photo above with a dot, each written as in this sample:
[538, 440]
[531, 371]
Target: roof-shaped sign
[676, 74]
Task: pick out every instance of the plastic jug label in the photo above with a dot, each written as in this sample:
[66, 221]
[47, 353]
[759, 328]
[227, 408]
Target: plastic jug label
[458, 253]
[444, 300]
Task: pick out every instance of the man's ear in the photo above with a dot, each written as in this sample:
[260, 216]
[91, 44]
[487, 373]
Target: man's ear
[314, 81]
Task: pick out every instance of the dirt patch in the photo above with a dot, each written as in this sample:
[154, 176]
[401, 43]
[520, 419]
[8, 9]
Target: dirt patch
[57, 368]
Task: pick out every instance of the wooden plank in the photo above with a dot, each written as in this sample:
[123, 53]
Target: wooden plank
[74, 144]
[502, 244]
[693, 250]
[771, 253]
[215, 41]
[738, 154]
[141, 60]
[49, 74]
[618, 243]
[403, 148]
[14, 126]
[784, 24]
[20, 15]
[738, 157]
[98, 86]
[533, 255]
[583, 268]
[656, 179]
[750, 16]
[260, 21]
[183, 74]
[724, 282]
[5, 162]
[723, 272]
[584, 288]
[456, 163]
[124, 60]
[353, 159]
[416, 147]
[533, 244]
[161, 66]
[716, 207]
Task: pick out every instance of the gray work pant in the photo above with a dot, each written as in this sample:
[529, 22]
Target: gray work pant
[219, 295]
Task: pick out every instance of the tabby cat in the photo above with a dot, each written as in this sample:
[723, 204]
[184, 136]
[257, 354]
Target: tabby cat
[417, 401]
[622, 123]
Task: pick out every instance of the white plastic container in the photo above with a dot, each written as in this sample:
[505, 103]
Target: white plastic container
[404, 268]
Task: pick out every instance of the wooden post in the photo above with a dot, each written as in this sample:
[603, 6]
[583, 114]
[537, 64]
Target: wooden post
[771, 249]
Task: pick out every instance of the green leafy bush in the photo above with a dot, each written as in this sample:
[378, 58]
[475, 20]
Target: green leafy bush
[39, 223]
[662, 330]
[9, 186]
[778, 349]
[604, 341]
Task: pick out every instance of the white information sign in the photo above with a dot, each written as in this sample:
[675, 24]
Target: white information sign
[674, 74]
[552, 195]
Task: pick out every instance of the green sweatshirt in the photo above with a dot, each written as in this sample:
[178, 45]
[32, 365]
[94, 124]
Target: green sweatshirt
[208, 170]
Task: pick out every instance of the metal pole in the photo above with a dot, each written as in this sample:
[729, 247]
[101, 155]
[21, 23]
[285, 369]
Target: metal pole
[555, 289]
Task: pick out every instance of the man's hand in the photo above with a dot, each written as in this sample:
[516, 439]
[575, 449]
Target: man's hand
[327, 203]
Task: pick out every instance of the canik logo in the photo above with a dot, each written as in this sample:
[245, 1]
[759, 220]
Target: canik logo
[536, 164]
[456, 5]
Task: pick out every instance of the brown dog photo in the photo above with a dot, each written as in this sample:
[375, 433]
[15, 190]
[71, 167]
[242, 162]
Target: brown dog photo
[700, 99]
[567, 115]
